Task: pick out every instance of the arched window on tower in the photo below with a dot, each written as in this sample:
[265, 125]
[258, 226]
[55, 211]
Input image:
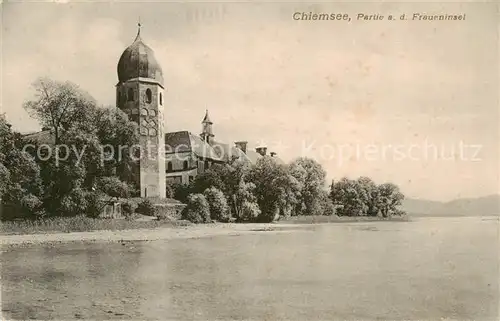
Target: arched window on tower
[130, 94]
[161, 99]
[149, 95]
[185, 165]
[169, 166]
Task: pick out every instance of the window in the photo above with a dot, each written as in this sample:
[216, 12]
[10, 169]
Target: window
[207, 165]
[130, 94]
[185, 165]
[169, 166]
[149, 95]
[161, 99]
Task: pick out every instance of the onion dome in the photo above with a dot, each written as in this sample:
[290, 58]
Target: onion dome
[138, 60]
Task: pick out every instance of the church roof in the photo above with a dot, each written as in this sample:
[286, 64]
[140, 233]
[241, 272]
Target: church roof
[253, 156]
[138, 60]
[41, 137]
[184, 141]
[226, 152]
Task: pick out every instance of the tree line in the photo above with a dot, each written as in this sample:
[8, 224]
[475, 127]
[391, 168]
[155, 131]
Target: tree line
[32, 186]
[268, 191]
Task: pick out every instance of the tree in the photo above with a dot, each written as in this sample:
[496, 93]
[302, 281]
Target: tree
[20, 183]
[226, 177]
[327, 207]
[92, 144]
[244, 203]
[117, 135]
[215, 176]
[349, 196]
[219, 210]
[364, 197]
[276, 190]
[311, 177]
[370, 195]
[390, 199]
[60, 106]
[22, 191]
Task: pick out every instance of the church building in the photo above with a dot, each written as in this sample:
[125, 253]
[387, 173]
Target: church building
[176, 157]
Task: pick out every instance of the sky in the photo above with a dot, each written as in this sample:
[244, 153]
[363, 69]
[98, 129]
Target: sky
[409, 102]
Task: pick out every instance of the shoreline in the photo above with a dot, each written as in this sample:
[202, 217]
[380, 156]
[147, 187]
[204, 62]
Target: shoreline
[151, 234]
[174, 232]
[179, 232]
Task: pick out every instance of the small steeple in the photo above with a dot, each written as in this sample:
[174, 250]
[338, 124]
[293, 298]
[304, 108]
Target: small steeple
[206, 119]
[207, 133]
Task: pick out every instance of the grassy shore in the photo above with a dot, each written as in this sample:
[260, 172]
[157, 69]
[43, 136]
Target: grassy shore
[81, 224]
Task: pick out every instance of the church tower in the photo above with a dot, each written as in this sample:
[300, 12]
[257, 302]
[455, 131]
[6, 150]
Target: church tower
[139, 93]
[207, 133]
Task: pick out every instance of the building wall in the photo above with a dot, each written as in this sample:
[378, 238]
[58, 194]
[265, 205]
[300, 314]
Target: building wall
[182, 168]
[181, 177]
[178, 173]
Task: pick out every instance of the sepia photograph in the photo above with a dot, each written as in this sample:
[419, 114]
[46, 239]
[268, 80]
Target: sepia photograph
[250, 160]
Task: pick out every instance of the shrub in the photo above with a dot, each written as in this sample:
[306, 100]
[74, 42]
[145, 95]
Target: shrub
[94, 204]
[169, 191]
[4, 179]
[219, 209]
[113, 186]
[75, 203]
[32, 206]
[249, 211]
[197, 209]
[128, 209]
[181, 192]
[18, 203]
[146, 207]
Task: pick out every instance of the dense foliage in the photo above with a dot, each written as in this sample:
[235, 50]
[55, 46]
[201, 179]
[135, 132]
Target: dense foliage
[90, 163]
[268, 191]
[80, 167]
[362, 197]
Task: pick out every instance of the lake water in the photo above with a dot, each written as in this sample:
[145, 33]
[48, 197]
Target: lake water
[427, 269]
